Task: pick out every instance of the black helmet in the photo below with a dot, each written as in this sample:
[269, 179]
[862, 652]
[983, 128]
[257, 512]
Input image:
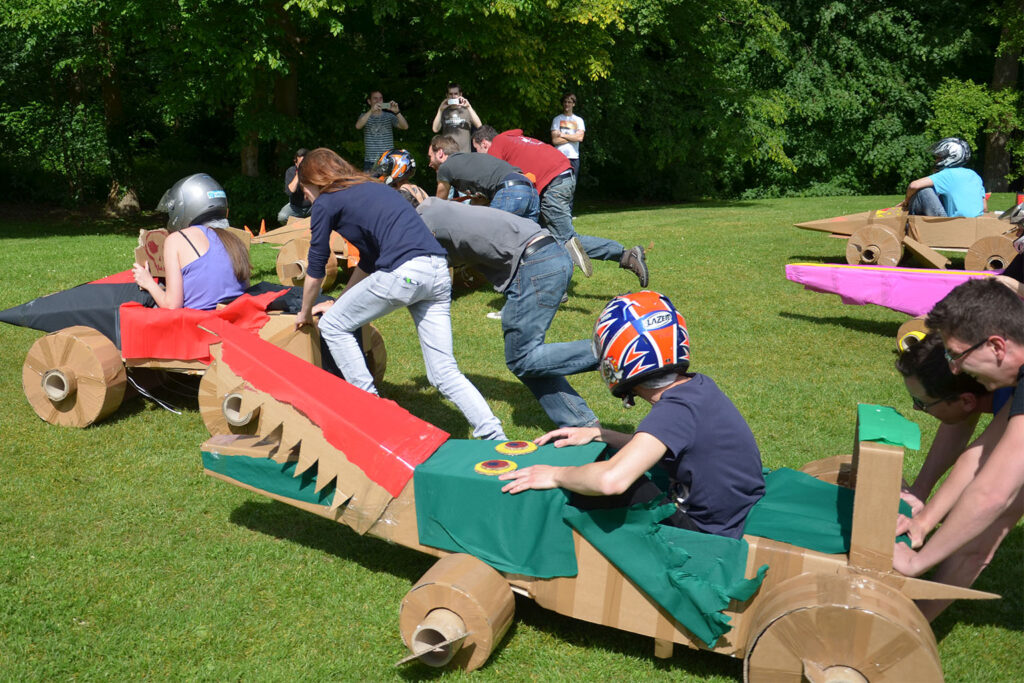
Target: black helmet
[951, 153]
[194, 197]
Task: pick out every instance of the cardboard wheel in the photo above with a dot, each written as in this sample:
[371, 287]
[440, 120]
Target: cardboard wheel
[874, 246]
[375, 353]
[73, 377]
[221, 403]
[822, 627]
[990, 253]
[911, 332]
[292, 261]
[461, 604]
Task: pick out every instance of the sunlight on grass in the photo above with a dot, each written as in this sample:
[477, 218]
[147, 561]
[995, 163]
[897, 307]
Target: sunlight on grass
[120, 560]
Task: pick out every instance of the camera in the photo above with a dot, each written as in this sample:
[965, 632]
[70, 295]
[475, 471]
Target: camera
[453, 100]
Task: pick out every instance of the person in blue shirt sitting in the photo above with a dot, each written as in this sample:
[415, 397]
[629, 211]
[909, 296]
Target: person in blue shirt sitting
[952, 190]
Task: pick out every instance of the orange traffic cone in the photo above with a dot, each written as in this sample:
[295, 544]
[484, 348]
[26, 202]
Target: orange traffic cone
[263, 226]
[246, 228]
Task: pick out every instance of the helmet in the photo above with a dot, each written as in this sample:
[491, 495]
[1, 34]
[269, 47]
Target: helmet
[951, 153]
[394, 165]
[637, 336]
[191, 198]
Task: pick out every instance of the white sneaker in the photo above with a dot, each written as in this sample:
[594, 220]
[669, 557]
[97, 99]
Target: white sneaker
[494, 315]
[579, 256]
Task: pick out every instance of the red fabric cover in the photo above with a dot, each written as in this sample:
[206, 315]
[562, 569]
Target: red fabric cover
[378, 436]
[174, 334]
[122, 278]
[533, 156]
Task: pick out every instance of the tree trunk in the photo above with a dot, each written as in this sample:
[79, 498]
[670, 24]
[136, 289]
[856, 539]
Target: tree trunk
[251, 154]
[1004, 75]
[122, 199]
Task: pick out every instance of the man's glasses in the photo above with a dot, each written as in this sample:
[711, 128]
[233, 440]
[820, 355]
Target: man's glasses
[955, 357]
[924, 407]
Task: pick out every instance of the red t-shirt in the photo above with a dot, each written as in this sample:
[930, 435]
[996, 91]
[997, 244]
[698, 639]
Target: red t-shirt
[533, 156]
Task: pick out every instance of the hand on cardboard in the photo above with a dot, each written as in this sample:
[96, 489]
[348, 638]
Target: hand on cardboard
[535, 477]
[322, 307]
[303, 318]
[569, 436]
[904, 560]
[142, 277]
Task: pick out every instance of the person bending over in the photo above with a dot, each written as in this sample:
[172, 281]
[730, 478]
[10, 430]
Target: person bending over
[981, 323]
[693, 431]
[401, 265]
[203, 262]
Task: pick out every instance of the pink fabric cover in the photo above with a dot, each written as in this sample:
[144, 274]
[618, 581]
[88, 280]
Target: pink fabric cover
[908, 290]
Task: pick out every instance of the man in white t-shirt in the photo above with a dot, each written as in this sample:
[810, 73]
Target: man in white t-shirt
[567, 131]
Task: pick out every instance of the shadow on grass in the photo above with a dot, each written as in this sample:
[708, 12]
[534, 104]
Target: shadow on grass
[1003, 577]
[830, 260]
[56, 222]
[877, 327]
[633, 205]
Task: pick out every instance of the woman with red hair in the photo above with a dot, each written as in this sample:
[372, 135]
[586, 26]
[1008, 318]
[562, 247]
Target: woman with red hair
[401, 265]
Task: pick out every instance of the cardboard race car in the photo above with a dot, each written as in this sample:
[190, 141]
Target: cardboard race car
[808, 592]
[881, 237]
[99, 332]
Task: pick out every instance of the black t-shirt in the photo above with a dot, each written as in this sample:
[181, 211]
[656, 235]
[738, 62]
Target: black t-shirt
[1016, 268]
[712, 455]
[455, 122]
[475, 173]
[298, 198]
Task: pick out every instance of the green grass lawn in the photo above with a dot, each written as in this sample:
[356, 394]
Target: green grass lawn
[120, 560]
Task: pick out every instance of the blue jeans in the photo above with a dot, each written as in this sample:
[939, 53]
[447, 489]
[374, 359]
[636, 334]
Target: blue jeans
[531, 301]
[521, 200]
[288, 210]
[926, 202]
[422, 286]
[556, 216]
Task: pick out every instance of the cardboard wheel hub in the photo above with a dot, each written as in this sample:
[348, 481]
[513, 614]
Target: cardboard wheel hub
[221, 397]
[473, 591]
[874, 246]
[73, 377]
[990, 253]
[838, 628]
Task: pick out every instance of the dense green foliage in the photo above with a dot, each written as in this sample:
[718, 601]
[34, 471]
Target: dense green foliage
[682, 98]
[121, 561]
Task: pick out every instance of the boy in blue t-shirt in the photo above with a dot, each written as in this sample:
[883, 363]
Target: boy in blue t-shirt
[693, 432]
[952, 190]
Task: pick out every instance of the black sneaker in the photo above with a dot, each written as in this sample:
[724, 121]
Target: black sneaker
[578, 256]
[634, 260]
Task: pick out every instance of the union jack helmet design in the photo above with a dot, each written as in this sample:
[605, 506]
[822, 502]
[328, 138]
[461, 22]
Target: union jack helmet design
[394, 165]
[639, 335]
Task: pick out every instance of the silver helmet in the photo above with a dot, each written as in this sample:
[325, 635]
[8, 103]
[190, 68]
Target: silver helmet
[951, 153]
[194, 197]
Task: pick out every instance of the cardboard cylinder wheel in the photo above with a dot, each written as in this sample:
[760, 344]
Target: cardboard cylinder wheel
[73, 377]
[292, 261]
[839, 628]
[221, 398]
[990, 253]
[375, 353]
[458, 586]
[911, 332]
[875, 246]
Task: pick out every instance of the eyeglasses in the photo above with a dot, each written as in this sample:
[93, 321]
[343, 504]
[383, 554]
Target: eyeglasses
[955, 357]
[924, 407]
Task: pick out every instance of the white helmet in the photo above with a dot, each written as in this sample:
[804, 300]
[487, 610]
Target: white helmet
[194, 199]
[951, 153]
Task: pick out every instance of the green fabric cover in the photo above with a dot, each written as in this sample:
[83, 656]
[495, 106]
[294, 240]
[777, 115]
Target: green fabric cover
[692, 575]
[807, 512]
[460, 510]
[272, 477]
[884, 425]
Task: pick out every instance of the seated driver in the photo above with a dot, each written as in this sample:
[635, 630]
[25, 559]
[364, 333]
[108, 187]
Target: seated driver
[693, 431]
[952, 190]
